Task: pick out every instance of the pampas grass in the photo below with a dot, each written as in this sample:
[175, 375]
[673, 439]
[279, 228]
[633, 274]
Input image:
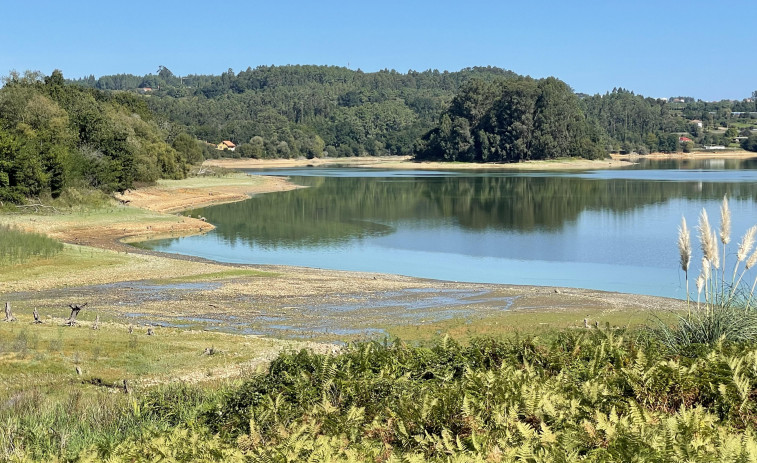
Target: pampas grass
[727, 312]
[684, 248]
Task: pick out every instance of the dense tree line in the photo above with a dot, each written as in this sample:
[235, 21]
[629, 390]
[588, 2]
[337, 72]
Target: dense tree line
[54, 135]
[292, 111]
[510, 120]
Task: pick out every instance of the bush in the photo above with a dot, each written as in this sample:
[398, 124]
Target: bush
[727, 311]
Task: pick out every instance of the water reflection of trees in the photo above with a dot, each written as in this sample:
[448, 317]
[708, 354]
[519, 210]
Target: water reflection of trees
[333, 210]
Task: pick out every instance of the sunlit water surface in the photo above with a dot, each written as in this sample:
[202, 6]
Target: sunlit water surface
[611, 230]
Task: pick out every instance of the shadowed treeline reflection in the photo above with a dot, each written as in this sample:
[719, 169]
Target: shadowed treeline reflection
[337, 209]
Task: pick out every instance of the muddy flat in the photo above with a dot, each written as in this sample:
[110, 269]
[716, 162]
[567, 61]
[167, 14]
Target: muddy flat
[134, 286]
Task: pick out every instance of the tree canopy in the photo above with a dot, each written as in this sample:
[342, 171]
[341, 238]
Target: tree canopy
[511, 120]
[54, 135]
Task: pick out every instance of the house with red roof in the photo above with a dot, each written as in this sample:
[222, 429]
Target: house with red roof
[226, 145]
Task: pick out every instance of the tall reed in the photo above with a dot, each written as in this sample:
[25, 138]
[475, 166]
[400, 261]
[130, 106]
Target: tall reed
[727, 311]
[18, 246]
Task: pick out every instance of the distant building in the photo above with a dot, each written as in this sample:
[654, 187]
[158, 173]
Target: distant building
[684, 139]
[697, 122]
[714, 147]
[144, 89]
[226, 145]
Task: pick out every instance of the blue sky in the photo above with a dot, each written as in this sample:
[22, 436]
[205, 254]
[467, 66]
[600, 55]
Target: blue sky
[704, 49]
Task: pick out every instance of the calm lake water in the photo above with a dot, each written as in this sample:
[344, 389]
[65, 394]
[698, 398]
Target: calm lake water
[611, 230]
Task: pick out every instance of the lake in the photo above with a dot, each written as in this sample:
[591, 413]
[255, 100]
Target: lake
[611, 230]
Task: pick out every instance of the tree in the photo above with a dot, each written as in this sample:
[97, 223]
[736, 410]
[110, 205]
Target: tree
[188, 147]
[750, 144]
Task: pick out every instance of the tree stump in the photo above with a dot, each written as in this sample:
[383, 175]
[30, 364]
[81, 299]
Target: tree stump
[96, 324]
[36, 316]
[75, 309]
[8, 314]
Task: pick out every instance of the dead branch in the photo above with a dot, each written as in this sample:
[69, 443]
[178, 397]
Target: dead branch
[8, 314]
[75, 309]
[37, 206]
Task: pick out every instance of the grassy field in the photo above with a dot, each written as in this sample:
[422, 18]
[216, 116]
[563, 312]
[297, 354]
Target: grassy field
[534, 322]
[47, 406]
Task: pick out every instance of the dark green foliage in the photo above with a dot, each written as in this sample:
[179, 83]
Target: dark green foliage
[17, 246]
[54, 135]
[300, 110]
[509, 121]
[750, 144]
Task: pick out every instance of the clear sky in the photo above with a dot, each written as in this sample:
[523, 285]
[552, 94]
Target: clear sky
[659, 48]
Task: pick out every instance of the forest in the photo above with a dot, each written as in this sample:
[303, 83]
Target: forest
[113, 132]
[293, 111]
[55, 135]
[512, 120]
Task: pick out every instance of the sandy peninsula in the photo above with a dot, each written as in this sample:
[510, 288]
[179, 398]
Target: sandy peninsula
[406, 162]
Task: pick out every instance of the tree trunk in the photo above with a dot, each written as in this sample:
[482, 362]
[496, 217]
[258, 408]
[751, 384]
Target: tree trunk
[75, 309]
[8, 314]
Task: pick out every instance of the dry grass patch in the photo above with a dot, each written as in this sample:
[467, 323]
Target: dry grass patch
[46, 356]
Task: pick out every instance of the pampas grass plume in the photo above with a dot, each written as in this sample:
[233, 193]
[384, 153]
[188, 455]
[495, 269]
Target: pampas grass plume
[746, 244]
[706, 235]
[684, 245]
[725, 222]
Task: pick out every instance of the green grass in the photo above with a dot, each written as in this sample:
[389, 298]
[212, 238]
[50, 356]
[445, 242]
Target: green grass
[534, 322]
[224, 179]
[46, 355]
[17, 246]
[48, 411]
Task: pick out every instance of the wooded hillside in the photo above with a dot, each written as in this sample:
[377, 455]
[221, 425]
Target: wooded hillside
[54, 135]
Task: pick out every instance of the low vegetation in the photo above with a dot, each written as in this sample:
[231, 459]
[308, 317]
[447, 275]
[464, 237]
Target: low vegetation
[17, 246]
[581, 395]
[62, 388]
